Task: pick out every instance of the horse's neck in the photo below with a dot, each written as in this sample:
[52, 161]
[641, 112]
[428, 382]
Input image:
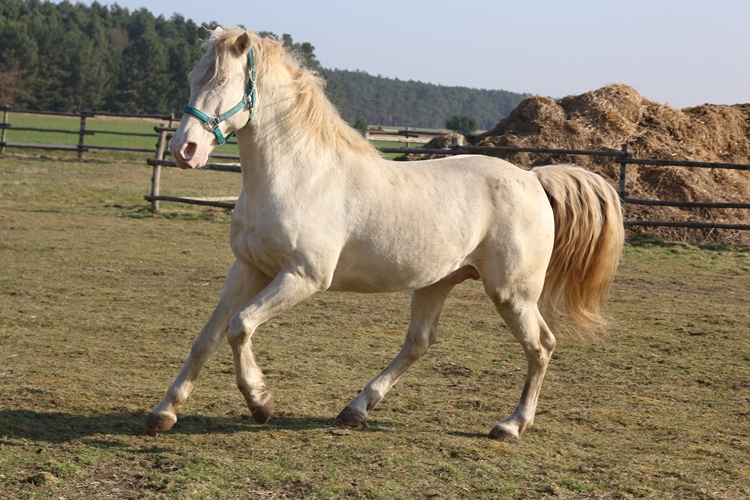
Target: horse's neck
[274, 157]
[284, 153]
[297, 138]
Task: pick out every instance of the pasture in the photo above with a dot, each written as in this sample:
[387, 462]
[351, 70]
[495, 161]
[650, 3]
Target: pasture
[100, 301]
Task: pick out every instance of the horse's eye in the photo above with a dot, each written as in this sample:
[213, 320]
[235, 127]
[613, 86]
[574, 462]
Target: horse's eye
[222, 82]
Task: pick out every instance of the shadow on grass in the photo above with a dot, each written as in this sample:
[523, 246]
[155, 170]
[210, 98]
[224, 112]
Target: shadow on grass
[137, 212]
[470, 435]
[64, 427]
[209, 214]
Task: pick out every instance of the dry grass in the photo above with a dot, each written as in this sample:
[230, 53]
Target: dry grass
[100, 300]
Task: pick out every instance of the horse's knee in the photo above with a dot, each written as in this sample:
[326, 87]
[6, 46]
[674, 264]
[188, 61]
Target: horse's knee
[417, 343]
[238, 333]
[202, 348]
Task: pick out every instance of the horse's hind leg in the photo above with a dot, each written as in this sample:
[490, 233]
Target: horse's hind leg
[242, 284]
[528, 327]
[426, 305]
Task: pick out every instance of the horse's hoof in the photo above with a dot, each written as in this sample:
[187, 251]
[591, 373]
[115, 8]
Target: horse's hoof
[161, 422]
[262, 413]
[351, 418]
[502, 434]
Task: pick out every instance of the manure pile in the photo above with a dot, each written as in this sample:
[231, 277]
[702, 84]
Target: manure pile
[618, 114]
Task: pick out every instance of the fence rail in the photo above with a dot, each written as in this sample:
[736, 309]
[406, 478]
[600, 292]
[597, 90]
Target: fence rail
[159, 160]
[82, 132]
[622, 156]
[626, 159]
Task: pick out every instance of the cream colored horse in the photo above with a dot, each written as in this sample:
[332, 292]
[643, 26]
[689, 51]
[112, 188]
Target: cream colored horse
[321, 210]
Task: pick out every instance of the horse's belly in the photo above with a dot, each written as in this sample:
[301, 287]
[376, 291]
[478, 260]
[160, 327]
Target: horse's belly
[370, 273]
[380, 283]
[411, 246]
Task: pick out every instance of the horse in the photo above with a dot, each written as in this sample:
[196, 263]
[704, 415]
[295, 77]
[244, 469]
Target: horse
[321, 210]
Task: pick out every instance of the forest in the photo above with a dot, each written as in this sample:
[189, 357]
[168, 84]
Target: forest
[71, 57]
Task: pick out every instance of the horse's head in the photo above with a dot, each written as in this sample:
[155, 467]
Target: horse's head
[222, 96]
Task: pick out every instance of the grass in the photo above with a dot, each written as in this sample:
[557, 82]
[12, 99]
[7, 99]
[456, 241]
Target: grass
[100, 301]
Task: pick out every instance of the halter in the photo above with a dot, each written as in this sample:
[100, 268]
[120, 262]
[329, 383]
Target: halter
[214, 122]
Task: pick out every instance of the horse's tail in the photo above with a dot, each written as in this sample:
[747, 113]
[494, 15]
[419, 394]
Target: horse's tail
[589, 236]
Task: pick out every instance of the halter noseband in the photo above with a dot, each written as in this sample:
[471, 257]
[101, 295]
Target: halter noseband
[214, 122]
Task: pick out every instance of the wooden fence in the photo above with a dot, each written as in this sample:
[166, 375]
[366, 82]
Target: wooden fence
[625, 158]
[622, 157]
[407, 135]
[82, 132]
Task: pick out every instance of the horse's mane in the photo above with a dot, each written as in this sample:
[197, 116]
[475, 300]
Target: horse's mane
[313, 114]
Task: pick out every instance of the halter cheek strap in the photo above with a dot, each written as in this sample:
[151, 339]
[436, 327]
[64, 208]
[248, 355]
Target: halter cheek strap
[248, 98]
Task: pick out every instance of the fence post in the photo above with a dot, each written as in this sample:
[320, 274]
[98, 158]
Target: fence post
[5, 128]
[81, 134]
[156, 174]
[623, 170]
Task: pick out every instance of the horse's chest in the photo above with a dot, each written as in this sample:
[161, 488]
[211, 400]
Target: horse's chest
[263, 243]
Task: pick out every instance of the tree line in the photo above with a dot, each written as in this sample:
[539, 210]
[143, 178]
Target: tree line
[387, 101]
[71, 57]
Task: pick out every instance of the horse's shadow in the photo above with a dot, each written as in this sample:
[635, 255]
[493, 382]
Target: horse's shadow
[56, 428]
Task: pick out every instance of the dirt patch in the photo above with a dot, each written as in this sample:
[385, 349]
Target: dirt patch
[617, 114]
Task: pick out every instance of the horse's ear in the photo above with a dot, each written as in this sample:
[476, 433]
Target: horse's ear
[242, 44]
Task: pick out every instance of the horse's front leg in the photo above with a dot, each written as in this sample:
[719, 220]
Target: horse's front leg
[286, 290]
[242, 284]
[426, 305]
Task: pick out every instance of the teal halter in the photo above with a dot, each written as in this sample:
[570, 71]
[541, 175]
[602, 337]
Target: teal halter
[214, 122]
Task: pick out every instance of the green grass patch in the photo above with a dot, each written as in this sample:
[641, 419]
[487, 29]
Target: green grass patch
[100, 301]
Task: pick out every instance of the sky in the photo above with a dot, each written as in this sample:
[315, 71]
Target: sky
[679, 52]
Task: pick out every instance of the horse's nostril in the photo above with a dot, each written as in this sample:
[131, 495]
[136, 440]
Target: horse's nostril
[188, 150]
